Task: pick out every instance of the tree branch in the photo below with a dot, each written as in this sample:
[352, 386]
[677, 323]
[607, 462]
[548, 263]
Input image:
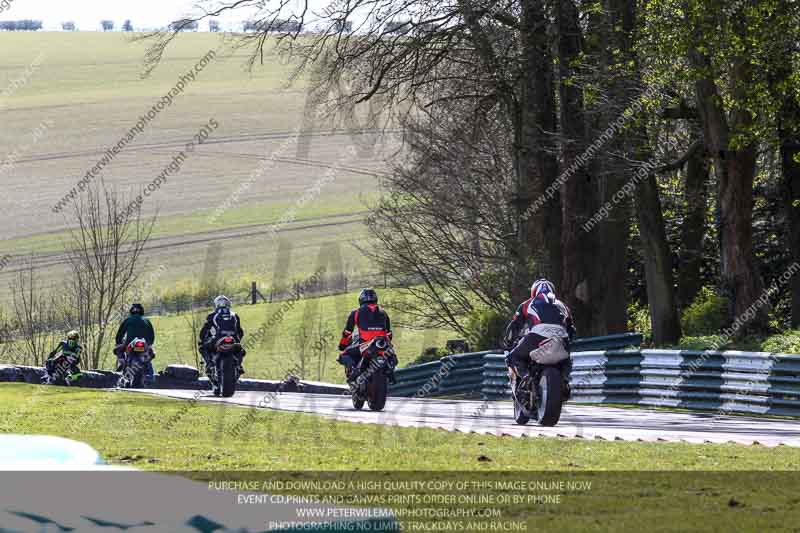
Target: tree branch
[681, 161]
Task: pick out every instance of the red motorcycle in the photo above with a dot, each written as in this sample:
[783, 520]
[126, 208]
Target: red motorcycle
[369, 380]
[133, 360]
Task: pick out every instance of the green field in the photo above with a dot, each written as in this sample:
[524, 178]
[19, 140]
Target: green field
[636, 486]
[87, 89]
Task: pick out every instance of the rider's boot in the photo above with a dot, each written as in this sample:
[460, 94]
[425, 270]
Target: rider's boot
[351, 373]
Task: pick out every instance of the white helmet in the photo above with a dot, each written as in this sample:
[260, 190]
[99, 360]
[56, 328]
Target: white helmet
[222, 301]
[543, 287]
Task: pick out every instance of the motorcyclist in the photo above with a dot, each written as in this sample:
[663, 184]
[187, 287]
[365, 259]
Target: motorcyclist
[71, 349]
[135, 326]
[222, 322]
[363, 325]
[542, 308]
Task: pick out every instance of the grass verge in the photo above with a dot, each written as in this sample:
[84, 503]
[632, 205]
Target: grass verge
[626, 485]
[131, 428]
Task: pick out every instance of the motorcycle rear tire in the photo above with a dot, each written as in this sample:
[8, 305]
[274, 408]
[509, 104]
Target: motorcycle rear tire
[227, 377]
[549, 405]
[138, 380]
[377, 391]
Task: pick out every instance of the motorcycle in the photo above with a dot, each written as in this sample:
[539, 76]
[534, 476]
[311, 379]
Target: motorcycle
[133, 360]
[226, 361]
[59, 370]
[369, 380]
[541, 392]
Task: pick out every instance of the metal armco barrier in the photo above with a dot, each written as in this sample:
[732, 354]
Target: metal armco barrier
[453, 374]
[465, 373]
[727, 381]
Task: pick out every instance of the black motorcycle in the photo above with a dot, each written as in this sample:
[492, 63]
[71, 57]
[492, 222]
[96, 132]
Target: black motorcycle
[540, 393]
[133, 360]
[226, 362]
[369, 380]
[62, 370]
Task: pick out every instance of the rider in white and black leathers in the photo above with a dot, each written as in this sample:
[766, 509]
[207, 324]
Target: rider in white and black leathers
[222, 322]
[532, 317]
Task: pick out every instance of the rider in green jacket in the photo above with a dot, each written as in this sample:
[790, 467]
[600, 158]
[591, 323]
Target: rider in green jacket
[136, 326]
[70, 349]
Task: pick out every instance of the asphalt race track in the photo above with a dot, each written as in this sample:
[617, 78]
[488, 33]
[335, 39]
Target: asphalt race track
[495, 417]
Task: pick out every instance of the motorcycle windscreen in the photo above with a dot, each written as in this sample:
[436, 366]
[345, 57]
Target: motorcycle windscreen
[550, 352]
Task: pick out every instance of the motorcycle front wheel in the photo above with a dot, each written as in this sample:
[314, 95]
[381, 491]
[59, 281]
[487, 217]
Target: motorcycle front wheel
[521, 414]
[358, 401]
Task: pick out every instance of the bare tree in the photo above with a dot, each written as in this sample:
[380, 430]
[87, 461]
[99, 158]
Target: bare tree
[105, 252]
[36, 318]
[492, 57]
[323, 346]
[194, 319]
[447, 228]
[303, 341]
[7, 338]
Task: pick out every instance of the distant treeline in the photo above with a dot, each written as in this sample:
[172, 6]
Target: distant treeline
[20, 25]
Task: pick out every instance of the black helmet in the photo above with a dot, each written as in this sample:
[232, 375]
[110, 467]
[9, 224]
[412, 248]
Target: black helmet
[367, 296]
[136, 309]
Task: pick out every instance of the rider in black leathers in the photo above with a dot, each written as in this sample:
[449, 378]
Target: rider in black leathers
[222, 322]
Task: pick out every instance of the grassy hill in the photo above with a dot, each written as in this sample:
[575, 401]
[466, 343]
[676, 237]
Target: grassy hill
[76, 94]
